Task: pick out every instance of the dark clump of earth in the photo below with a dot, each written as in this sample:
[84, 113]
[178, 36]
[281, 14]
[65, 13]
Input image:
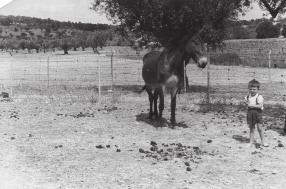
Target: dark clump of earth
[167, 152]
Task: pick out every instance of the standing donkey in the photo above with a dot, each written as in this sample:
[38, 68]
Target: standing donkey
[165, 71]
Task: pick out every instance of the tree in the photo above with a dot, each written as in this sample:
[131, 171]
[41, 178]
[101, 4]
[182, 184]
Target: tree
[65, 44]
[266, 29]
[274, 7]
[171, 21]
[98, 39]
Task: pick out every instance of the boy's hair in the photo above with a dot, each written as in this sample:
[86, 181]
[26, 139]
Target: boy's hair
[254, 83]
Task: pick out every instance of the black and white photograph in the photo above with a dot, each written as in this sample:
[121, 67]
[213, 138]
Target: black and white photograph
[142, 94]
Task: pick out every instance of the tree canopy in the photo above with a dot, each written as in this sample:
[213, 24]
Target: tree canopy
[170, 21]
[274, 7]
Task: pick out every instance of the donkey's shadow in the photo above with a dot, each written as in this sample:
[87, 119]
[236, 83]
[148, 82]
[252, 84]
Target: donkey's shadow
[162, 122]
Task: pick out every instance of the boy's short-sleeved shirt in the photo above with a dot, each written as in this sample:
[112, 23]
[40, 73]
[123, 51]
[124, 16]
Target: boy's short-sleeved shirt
[254, 100]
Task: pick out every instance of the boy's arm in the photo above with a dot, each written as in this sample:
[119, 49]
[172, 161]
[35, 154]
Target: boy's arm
[245, 100]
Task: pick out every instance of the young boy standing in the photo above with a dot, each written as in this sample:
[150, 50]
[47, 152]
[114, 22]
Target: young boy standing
[254, 103]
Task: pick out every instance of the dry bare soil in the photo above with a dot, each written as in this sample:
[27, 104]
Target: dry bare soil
[67, 144]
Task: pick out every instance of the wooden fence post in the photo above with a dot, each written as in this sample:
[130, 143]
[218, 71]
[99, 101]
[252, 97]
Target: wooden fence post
[269, 65]
[48, 72]
[99, 82]
[111, 65]
[208, 76]
[285, 123]
[185, 82]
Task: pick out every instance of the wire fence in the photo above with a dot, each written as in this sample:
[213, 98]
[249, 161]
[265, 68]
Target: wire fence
[89, 76]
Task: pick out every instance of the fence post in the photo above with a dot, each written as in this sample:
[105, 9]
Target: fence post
[111, 71]
[48, 72]
[185, 82]
[269, 65]
[285, 123]
[208, 76]
[99, 82]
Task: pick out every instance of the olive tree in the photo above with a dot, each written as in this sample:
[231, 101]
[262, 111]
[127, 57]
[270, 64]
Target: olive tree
[170, 21]
[274, 7]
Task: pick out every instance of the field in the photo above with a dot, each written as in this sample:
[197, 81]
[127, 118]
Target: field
[252, 52]
[59, 133]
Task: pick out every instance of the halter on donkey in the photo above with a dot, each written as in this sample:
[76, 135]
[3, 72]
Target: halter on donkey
[165, 70]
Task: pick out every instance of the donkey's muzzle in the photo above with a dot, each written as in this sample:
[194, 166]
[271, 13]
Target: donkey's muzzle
[203, 62]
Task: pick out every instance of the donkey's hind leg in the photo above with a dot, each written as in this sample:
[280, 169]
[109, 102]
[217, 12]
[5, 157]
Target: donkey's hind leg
[161, 102]
[151, 99]
[173, 105]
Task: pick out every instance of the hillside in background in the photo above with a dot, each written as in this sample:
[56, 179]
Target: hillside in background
[62, 10]
[19, 32]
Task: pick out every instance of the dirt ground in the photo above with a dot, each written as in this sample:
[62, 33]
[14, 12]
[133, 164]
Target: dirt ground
[50, 144]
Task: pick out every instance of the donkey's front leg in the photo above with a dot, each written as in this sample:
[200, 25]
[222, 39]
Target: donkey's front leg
[173, 105]
[156, 93]
[151, 99]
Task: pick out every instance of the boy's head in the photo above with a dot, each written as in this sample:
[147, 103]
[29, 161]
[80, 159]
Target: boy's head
[253, 84]
[253, 87]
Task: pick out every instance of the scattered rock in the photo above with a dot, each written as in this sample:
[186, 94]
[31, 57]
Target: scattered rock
[170, 150]
[196, 147]
[108, 146]
[189, 169]
[187, 163]
[179, 145]
[141, 150]
[153, 148]
[160, 151]
[99, 146]
[4, 95]
[280, 145]
[118, 150]
[253, 171]
[153, 143]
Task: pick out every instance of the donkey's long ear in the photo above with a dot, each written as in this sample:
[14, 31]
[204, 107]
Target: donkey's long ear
[189, 40]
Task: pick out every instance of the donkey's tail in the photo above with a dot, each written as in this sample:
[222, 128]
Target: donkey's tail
[142, 89]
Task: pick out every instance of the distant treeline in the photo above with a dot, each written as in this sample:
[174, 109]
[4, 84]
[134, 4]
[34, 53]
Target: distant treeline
[32, 22]
[27, 33]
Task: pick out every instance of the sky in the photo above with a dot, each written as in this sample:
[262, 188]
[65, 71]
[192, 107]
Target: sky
[4, 2]
[73, 10]
[61, 10]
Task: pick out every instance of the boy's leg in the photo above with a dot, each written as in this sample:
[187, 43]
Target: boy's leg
[261, 134]
[251, 135]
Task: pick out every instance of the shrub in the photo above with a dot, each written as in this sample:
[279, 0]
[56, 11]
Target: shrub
[266, 29]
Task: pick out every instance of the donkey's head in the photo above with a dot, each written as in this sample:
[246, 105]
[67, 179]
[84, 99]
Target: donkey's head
[196, 49]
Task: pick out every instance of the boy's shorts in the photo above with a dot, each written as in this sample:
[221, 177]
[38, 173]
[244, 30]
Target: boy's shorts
[254, 116]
